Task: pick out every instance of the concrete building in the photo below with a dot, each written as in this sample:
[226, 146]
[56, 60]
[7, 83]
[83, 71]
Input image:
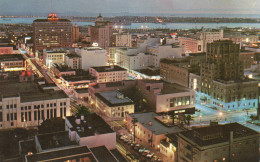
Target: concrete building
[139, 58]
[229, 142]
[108, 73]
[190, 45]
[26, 104]
[244, 38]
[122, 40]
[222, 84]
[198, 42]
[62, 70]
[113, 104]
[72, 60]
[101, 33]
[110, 86]
[178, 70]
[75, 34]
[163, 97]
[88, 54]
[91, 131]
[6, 49]
[81, 93]
[169, 146]
[247, 58]
[150, 128]
[53, 56]
[12, 62]
[52, 32]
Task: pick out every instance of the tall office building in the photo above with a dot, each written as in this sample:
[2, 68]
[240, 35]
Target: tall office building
[75, 33]
[52, 32]
[221, 83]
[101, 33]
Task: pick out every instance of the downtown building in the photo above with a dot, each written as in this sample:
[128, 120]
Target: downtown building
[101, 33]
[228, 143]
[52, 32]
[221, 83]
[27, 103]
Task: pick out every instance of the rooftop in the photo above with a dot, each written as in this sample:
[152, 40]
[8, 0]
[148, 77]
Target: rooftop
[62, 67]
[72, 55]
[101, 69]
[103, 154]
[82, 90]
[168, 88]
[46, 20]
[63, 155]
[156, 126]
[113, 98]
[92, 124]
[239, 131]
[11, 57]
[93, 48]
[54, 140]
[29, 91]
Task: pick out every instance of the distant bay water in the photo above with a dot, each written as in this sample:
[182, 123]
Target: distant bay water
[145, 25]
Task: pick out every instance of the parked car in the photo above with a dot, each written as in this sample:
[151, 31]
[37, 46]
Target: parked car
[123, 137]
[137, 145]
[145, 152]
[125, 140]
[150, 155]
[141, 149]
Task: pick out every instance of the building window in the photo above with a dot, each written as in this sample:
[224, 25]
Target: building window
[7, 117]
[14, 105]
[35, 115]
[7, 106]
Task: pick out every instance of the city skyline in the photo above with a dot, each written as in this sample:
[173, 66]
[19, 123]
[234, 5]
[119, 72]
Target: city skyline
[134, 7]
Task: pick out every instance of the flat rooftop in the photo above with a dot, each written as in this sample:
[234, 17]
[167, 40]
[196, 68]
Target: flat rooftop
[92, 124]
[63, 155]
[92, 48]
[11, 57]
[62, 67]
[113, 98]
[101, 69]
[103, 154]
[239, 131]
[168, 88]
[156, 126]
[82, 90]
[46, 20]
[54, 140]
[72, 55]
[29, 91]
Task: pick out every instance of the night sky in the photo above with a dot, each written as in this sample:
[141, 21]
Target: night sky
[130, 6]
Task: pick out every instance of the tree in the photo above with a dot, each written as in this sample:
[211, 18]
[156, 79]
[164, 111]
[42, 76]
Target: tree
[83, 110]
[52, 125]
[189, 118]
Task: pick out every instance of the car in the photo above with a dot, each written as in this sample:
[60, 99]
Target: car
[141, 150]
[150, 155]
[125, 140]
[129, 142]
[137, 145]
[123, 137]
[145, 152]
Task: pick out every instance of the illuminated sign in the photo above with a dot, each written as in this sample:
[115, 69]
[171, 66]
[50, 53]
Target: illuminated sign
[53, 17]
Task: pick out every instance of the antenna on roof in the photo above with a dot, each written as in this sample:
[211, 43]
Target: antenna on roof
[51, 6]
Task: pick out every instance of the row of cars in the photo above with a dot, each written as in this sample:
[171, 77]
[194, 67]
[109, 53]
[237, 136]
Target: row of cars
[139, 148]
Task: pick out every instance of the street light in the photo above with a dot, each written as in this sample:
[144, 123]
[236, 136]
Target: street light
[220, 115]
[158, 146]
